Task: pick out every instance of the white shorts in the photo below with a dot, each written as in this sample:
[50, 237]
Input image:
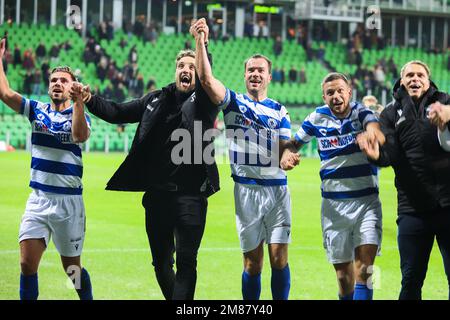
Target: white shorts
[62, 216]
[348, 224]
[263, 213]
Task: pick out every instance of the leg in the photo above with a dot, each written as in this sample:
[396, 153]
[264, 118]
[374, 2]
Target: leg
[188, 239]
[278, 254]
[415, 241]
[345, 274]
[71, 264]
[79, 276]
[190, 225]
[251, 204]
[337, 233]
[159, 227]
[278, 228]
[251, 277]
[281, 278]
[31, 251]
[364, 259]
[68, 226]
[443, 240]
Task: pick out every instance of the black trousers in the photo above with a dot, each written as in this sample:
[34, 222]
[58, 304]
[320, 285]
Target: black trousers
[416, 234]
[175, 223]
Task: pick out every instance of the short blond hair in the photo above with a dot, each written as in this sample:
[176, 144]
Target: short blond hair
[418, 62]
[184, 53]
[369, 101]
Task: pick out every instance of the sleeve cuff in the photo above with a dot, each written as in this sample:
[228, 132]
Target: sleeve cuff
[297, 138]
[444, 139]
[226, 100]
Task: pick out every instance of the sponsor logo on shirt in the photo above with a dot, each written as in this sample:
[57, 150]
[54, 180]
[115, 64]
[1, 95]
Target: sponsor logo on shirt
[356, 125]
[243, 108]
[244, 122]
[272, 123]
[67, 126]
[336, 142]
[64, 137]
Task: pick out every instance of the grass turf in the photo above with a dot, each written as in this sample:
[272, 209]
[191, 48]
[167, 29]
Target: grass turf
[116, 250]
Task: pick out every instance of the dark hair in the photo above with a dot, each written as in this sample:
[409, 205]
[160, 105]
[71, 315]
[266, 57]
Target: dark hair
[65, 69]
[259, 56]
[335, 76]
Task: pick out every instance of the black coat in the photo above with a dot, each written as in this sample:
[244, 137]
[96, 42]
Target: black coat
[422, 167]
[134, 174]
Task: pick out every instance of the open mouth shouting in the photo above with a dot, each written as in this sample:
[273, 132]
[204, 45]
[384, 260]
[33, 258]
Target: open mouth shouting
[185, 81]
[57, 91]
[415, 87]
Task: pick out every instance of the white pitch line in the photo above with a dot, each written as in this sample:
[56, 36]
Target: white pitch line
[130, 250]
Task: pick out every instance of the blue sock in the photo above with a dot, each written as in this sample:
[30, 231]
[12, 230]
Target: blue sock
[362, 292]
[251, 286]
[281, 283]
[85, 292]
[29, 287]
[347, 297]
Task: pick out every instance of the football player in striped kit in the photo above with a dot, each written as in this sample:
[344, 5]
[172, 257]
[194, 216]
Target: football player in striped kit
[351, 209]
[257, 127]
[55, 206]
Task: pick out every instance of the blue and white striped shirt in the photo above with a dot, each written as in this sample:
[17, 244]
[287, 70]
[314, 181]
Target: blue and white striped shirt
[345, 171]
[253, 133]
[56, 165]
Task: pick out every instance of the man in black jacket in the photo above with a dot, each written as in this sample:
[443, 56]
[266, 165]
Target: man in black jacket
[175, 198]
[422, 173]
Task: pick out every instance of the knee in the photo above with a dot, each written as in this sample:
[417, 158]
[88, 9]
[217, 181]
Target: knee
[163, 263]
[409, 279]
[363, 272]
[411, 275]
[28, 267]
[278, 261]
[253, 267]
[344, 279]
[186, 261]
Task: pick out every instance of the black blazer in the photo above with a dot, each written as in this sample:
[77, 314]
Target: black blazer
[134, 174]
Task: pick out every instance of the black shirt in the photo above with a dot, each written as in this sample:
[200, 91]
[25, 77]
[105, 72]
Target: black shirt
[173, 176]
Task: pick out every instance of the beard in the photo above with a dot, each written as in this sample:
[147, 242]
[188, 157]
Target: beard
[58, 101]
[184, 89]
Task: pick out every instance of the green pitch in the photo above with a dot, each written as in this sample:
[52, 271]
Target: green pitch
[117, 256]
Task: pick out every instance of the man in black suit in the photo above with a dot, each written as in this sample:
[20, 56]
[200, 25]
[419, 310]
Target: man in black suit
[175, 198]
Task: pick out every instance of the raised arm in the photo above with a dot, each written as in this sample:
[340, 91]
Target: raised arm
[80, 128]
[112, 112]
[11, 98]
[215, 90]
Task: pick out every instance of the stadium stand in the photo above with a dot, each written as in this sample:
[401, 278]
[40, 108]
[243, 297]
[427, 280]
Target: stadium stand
[228, 56]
